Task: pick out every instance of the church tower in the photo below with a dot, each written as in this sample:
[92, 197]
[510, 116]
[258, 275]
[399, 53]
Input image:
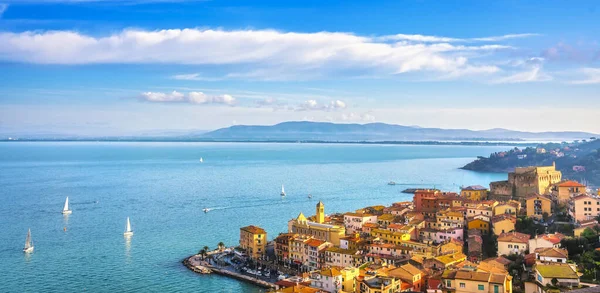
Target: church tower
[320, 213]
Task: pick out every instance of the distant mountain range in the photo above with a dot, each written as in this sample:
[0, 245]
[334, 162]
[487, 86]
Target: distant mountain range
[324, 131]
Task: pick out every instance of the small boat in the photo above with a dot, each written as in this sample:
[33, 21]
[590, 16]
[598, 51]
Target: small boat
[206, 210]
[66, 210]
[391, 183]
[309, 195]
[28, 243]
[201, 160]
[282, 190]
[128, 231]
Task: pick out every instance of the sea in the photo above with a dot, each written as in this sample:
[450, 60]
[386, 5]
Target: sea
[163, 188]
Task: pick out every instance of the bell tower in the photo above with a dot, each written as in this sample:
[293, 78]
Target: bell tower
[320, 213]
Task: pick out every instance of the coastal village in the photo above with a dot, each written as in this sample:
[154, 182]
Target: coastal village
[534, 232]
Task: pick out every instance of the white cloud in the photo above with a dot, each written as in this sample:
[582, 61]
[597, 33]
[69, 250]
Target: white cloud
[270, 53]
[357, 117]
[3, 7]
[191, 97]
[592, 76]
[535, 74]
[194, 76]
[313, 105]
[438, 39]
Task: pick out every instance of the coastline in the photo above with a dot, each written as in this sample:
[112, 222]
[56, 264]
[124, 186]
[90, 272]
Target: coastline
[193, 265]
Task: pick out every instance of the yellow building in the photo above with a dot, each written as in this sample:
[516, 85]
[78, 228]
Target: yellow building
[480, 225]
[474, 192]
[253, 240]
[380, 284]
[511, 207]
[385, 220]
[465, 281]
[537, 205]
[568, 189]
[318, 229]
[388, 236]
[503, 224]
[527, 180]
[349, 279]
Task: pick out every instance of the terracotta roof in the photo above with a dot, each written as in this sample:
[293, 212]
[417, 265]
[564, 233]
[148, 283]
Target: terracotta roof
[500, 218]
[497, 278]
[254, 229]
[314, 242]
[370, 225]
[552, 252]
[584, 196]
[570, 183]
[468, 275]
[554, 238]
[514, 237]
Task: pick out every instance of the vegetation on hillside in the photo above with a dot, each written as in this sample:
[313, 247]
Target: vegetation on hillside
[578, 160]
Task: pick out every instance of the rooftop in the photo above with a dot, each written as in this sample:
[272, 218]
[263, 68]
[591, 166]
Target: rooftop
[514, 237]
[253, 229]
[552, 252]
[559, 271]
[570, 183]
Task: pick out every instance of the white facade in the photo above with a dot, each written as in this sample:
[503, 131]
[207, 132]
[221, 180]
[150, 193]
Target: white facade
[326, 283]
[507, 248]
[354, 222]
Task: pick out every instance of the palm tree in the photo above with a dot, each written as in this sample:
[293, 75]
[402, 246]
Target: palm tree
[202, 252]
[221, 245]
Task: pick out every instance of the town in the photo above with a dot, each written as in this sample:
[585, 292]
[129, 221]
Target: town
[534, 232]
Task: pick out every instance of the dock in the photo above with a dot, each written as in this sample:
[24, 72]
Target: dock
[196, 265]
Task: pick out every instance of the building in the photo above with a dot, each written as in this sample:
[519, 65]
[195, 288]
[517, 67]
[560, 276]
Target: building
[565, 190]
[339, 257]
[388, 236]
[474, 192]
[354, 221]
[328, 279]
[538, 205]
[379, 284]
[513, 243]
[511, 208]
[318, 228]
[444, 261]
[313, 249]
[552, 255]
[503, 223]
[479, 224]
[465, 281]
[253, 240]
[564, 273]
[421, 196]
[526, 180]
[349, 279]
[410, 275]
[282, 245]
[475, 246]
[546, 241]
[385, 220]
[584, 207]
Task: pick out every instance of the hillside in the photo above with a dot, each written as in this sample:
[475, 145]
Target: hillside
[324, 131]
[578, 161]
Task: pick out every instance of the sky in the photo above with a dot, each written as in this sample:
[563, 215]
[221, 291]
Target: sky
[104, 67]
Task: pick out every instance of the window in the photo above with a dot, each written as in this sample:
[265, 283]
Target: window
[510, 246]
[480, 287]
[496, 289]
[462, 285]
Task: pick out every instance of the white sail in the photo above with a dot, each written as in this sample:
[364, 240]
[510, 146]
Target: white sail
[28, 243]
[282, 190]
[201, 160]
[66, 207]
[128, 228]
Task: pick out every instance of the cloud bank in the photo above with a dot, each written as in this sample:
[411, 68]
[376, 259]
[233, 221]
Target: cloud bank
[191, 98]
[264, 50]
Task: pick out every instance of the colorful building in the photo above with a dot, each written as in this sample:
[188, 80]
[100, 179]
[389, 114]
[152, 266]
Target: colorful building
[566, 190]
[503, 224]
[466, 281]
[317, 229]
[379, 284]
[513, 243]
[253, 240]
[474, 192]
[585, 207]
[328, 279]
[479, 224]
[538, 205]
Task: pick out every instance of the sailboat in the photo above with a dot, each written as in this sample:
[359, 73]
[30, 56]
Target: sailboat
[201, 160]
[309, 195]
[128, 231]
[206, 210]
[282, 190]
[66, 210]
[28, 243]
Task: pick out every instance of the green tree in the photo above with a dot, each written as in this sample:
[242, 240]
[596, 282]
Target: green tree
[221, 246]
[554, 281]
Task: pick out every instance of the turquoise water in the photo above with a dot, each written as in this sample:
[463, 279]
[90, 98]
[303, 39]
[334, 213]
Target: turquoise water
[163, 188]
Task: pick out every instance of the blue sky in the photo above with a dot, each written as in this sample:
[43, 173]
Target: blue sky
[135, 66]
